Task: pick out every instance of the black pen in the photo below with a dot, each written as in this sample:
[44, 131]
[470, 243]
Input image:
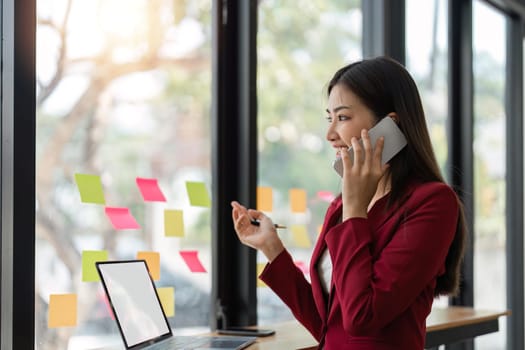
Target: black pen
[258, 223]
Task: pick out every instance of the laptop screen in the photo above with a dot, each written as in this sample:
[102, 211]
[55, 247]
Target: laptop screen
[132, 294]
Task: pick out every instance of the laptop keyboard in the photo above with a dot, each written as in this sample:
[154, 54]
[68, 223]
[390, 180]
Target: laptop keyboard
[184, 343]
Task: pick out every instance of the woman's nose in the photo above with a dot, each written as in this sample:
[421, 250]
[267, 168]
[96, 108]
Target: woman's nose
[331, 134]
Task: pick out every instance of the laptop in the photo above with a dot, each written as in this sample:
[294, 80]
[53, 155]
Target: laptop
[139, 314]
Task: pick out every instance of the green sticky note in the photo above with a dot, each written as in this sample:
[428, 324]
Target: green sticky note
[90, 188]
[198, 194]
[173, 223]
[89, 258]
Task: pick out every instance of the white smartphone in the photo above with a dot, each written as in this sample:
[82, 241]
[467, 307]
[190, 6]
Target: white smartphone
[395, 141]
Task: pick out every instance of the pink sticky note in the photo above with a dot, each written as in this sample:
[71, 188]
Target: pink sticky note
[192, 260]
[325, 196]
[302, 266]
[121, 218]
[150, 190]
[109, 310]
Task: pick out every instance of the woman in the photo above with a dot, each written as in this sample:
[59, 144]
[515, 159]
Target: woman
[393, 239]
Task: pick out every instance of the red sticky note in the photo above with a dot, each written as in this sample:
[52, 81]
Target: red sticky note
[150, 190]
[121, 218]
[192, 260]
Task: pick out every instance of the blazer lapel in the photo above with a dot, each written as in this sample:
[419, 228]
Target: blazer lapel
[317, 290]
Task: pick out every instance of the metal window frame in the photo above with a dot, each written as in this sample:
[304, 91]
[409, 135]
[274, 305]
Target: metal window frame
[234, 159]
[384, 29]
[18, 174]
[461, 136]
[514, 181]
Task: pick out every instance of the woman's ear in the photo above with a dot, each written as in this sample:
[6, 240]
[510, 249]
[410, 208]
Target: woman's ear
[394, 117]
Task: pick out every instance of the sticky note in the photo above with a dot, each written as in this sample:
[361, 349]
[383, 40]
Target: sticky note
[150, 190]
[260, 268]
[302, 266]
[153, 262]
[300, 236]
[90, 188]
[325, 196]
[62, 310]
[192, 260]
[108, 306]
[297, 200]
[89, 269]
[173, 223]
[167, 299]
[264, 198]
[198, 194]
[121, 218]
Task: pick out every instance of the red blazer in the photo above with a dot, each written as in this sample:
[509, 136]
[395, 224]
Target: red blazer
[384, 272]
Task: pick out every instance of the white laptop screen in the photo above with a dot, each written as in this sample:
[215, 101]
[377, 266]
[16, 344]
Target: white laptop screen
[134, 300]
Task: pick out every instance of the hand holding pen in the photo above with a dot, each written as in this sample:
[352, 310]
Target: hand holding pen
[258, 223]
[256, 230]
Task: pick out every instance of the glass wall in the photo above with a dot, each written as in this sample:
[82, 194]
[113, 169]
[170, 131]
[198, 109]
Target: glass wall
[427, 62]
[298, 52]
[489, 166]
[123, 160]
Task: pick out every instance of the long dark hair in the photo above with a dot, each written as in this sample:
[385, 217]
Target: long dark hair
[385, 86]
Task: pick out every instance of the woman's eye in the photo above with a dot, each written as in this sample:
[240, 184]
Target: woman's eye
[342, 118]
[329, 119]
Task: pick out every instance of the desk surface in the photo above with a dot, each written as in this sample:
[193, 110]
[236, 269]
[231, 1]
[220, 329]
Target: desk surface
[291, 335]
[444, 326]
[454, 316]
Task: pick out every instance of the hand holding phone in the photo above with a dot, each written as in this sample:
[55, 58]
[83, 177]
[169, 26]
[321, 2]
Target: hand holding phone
[395, 141]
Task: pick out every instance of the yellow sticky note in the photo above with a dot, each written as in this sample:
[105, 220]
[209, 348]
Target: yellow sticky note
[260, 268]
[89, 258]
[297, 200]
[198, 194]
[153, 262]
[167, 299]
[62, 311]
[264, 198]
[173, 223]
[90, 188]
[300, 236]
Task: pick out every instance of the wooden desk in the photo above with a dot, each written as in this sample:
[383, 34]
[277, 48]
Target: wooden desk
[455, 323]
[444, 326]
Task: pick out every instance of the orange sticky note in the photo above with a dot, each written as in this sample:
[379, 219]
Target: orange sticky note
[62, 310]
[300, 236]
[264, 198]
[153, 262]
[192, 260]
[167, 299]
[173, 223]
[260, 268]
[297, 200]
